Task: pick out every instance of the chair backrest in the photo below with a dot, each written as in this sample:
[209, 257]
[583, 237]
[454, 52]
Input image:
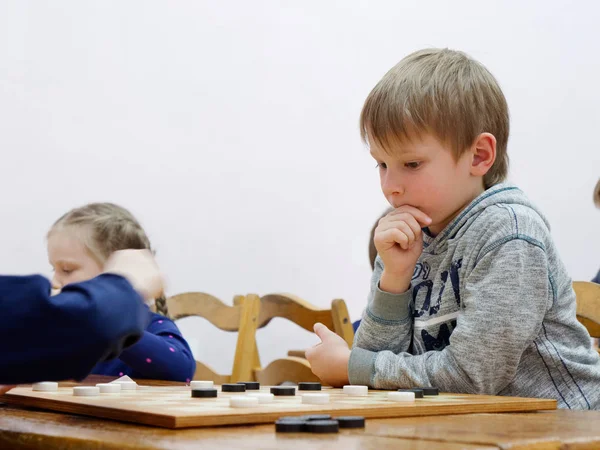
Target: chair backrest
[588, 306]
[305, 315]
[241, 317]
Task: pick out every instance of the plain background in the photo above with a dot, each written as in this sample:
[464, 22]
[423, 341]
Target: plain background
[230, 130]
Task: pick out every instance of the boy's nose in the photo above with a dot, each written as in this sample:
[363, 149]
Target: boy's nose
[392, 186]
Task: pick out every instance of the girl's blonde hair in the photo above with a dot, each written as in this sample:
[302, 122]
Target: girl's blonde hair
[105, 228]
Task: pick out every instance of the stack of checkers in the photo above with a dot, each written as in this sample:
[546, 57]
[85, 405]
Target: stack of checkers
[203, 389]
[320, 423]
[407, 395]
[422, 391]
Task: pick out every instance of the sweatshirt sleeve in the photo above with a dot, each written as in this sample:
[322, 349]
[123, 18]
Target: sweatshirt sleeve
[505, 300]
[387, 321]
[161, 354]
[46, 338]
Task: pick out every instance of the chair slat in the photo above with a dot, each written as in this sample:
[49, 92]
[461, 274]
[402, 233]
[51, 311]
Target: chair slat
[241, 317]
[204, 305]
[588, 305]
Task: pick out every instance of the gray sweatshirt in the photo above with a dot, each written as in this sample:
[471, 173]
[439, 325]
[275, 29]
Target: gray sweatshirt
[491, 310]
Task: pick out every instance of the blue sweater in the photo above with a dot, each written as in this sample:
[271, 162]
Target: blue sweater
[62, 337]
[161, 354]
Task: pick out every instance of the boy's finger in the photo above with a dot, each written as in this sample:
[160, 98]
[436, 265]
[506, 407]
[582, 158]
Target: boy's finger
[322, 331]
[388, 238]
[400, 221]
[408, 231]
[395, 221]
[419, 215]
[309, 353]
[415, 227]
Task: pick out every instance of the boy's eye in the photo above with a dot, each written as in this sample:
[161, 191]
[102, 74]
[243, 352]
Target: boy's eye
[381, 166]
[413, 165]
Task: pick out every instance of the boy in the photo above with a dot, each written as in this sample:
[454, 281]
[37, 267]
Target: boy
[468, 293]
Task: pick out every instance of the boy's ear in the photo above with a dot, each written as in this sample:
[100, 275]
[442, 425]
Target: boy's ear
[484, 154]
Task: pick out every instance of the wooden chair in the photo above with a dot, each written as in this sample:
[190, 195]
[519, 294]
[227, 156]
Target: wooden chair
[305, 315]
[588, 306]
[241, 317]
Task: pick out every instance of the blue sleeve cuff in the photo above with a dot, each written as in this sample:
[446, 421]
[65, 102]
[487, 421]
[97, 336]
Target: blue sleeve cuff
[390, 307]
[361, 366]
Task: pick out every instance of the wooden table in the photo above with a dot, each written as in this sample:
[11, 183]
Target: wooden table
[22, 428]
[31, 429]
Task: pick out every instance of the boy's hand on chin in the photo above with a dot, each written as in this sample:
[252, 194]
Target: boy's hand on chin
[399, 242]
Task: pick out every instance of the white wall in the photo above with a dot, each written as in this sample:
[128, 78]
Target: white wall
[230, 129]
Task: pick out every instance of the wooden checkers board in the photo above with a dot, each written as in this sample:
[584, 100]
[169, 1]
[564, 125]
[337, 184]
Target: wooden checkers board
[174, 407]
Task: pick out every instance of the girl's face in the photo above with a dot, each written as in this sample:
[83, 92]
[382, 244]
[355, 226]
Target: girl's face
[70, 259]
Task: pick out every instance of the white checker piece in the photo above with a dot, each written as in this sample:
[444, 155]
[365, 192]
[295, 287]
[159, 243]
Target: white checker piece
[127, 385]
[195, 384]
[356, 390]
[45, 386]
[401, 396]
[109, 388]
[86, 391]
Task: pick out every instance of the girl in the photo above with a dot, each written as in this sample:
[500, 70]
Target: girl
[79, 244]
[61, 337]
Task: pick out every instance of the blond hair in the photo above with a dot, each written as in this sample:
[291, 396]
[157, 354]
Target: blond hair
[443, 92]
[597, 194]
[105, 228]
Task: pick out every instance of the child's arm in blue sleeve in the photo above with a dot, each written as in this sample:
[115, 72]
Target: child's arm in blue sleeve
[161, 354]
[64, 336]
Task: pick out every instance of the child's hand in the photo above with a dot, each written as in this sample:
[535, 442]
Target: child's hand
[4, 388]
[399, 243]
[139, 268]
[329, 359]
[151, 304]
[55, 288]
